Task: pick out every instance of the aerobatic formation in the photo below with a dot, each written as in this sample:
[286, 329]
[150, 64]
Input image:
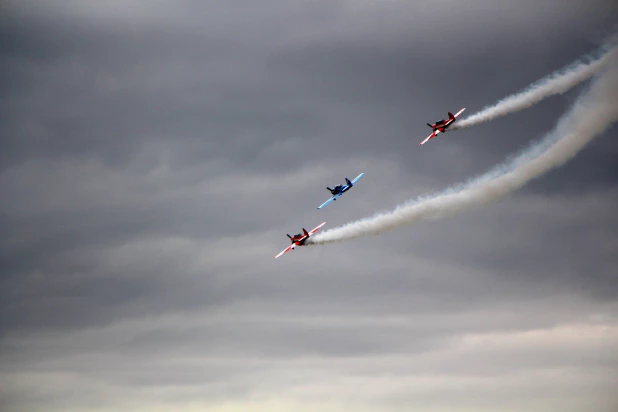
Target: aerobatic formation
[337, 191]
[591, 114]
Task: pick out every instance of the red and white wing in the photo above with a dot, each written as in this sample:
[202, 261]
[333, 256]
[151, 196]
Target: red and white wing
[317, 228]
[431, 136]
[449, 121]
[287, 249]
[459, 112]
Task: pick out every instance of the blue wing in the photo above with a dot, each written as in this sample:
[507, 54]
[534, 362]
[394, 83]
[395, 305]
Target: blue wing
[357, 178]
[329, 200]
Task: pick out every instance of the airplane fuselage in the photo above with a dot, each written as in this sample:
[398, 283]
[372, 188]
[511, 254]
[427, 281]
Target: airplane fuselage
[340, 189]
[440, 126]
[300, 241]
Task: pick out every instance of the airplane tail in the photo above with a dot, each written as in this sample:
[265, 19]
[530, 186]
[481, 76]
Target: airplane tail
[348, 182]
[305, 232]
[451, 116]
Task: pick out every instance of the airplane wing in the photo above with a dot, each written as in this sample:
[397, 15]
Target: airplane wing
[287, 249]
[357, 178]
[329, 200]
[318, 227]
[431, 136]
[451, 120]
[459, 112]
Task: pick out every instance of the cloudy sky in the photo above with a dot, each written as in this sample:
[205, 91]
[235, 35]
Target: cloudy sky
[155, 153]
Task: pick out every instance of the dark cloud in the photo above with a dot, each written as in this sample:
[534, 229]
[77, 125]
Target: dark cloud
[154, 156]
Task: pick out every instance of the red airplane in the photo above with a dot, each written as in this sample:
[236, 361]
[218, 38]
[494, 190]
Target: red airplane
[299, 239]
[441, 125]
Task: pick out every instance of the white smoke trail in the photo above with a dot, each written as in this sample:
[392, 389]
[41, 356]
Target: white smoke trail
[590, 115]
[556, 83]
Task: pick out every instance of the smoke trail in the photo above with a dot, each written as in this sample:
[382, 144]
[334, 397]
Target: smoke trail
[591, 114]
[556, 83]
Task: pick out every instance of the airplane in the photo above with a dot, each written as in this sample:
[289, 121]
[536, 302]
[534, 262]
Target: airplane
[300, 239]
[340, 189]
[441, 125]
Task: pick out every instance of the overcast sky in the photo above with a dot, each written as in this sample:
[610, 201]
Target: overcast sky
[155, 153]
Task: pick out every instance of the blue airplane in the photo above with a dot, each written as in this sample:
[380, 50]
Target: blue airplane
[340, 189]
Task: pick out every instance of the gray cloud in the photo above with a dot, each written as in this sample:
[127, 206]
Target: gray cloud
[154, 156]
